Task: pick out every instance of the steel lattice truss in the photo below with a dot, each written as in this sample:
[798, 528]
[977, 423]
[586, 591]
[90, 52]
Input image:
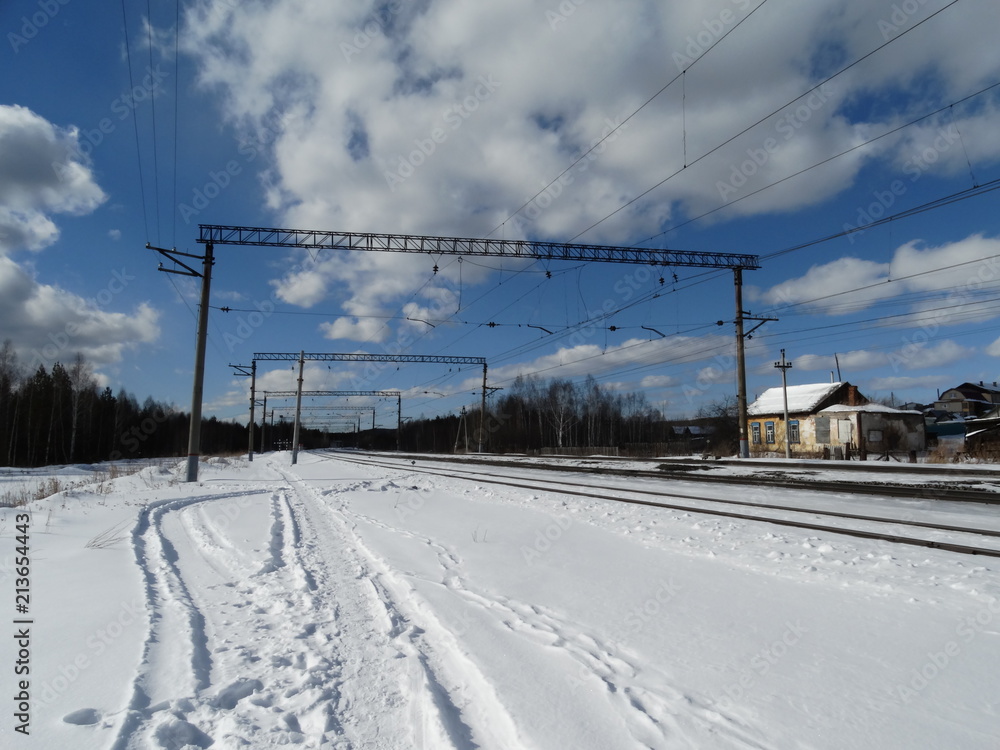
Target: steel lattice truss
[310, 394]
[357, 357]
[406, 243]
[325, 408]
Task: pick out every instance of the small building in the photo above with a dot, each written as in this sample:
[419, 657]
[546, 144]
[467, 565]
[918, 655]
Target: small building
[969, 399]
[830, 420]
[982, 439]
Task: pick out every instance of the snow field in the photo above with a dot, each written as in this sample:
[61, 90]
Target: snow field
[334, 605]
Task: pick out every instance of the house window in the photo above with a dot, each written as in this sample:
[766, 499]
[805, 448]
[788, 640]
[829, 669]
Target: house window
[755, 433]
[769, 432]
[822, 430]
[874, 436]
[793, 431]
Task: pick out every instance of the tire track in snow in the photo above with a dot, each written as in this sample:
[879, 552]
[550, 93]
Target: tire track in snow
[653, 715]
[453, 701]
[294, 655]
[383, 701]
[175, 654]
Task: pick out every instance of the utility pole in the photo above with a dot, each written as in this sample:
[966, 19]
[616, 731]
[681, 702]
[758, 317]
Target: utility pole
[251, 373]
[482, 413]
[263, 421]
[784, 366]
[298, 410]
[741, 362]
[741, 366]
[208, 260]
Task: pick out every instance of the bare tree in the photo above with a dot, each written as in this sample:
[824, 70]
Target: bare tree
[82, 382]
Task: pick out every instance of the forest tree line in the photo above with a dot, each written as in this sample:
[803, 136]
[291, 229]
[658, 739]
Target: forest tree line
[60, 415]
[534, 415]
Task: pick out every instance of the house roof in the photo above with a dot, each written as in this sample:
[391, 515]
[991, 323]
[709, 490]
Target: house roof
[974, 389]
[801, 398]
[868, 409]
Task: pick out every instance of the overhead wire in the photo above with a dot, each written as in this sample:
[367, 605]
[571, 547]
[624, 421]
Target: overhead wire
[135, 121]
[671, 82]
[152, 103]
[766, 117]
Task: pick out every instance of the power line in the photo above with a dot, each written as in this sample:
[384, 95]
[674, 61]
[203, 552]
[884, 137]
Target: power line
[765, 118]
[135, 122]
[818, 164]
[671, 82]
[152, 103]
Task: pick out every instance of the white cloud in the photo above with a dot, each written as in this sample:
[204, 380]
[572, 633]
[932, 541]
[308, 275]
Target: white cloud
[994, 349]
[48, 324]
[423, 118]
[953, 273]
[915, 356]
[657, 381]
[924, 386]
[830, 285]
[42, 172]
[847, 362]
[591, 359]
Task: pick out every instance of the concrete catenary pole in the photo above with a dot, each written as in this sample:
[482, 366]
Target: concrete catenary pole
[194, 431]
[298, 410]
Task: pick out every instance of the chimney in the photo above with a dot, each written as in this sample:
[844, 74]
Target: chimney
[853, 397]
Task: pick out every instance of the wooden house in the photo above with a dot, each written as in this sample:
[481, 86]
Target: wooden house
[830, 420]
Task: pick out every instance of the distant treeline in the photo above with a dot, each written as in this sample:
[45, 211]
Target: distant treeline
[60, 415]
[533, 415]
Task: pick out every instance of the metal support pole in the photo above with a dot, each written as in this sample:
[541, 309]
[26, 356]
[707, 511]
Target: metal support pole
[253, 396]
[784, 365]
[741, 366]
[399, 421]
[263, 423]
[298, 410]
[194, 430]
[482, 413]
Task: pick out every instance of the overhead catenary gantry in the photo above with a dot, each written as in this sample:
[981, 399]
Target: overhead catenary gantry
[302, 357]
[211, 235]
[348, 394]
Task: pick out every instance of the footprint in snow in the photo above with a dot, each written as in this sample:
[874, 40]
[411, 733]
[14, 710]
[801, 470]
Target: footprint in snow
[83, 717]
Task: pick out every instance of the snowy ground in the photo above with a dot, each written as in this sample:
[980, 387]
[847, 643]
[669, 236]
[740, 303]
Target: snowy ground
[329, 604]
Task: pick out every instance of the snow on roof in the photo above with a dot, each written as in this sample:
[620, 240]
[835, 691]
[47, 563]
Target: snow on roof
[869, 408]
[801, 398]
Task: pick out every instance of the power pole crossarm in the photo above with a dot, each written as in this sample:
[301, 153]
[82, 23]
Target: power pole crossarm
[784, 366]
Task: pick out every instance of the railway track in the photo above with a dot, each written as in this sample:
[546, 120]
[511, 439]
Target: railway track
[964, 540]
[698, 472]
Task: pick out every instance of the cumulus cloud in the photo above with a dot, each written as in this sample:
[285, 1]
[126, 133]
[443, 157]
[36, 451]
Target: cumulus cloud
[447, 117]
[42, 172]
[590, 359]
[952, 274]
[48, 324]
[852, 361]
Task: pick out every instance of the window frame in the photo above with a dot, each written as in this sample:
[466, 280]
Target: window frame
[794, 435]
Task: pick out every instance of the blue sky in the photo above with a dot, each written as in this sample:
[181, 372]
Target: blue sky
[461, 119]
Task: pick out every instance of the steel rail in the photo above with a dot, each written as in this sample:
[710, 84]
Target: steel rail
[858, 533]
